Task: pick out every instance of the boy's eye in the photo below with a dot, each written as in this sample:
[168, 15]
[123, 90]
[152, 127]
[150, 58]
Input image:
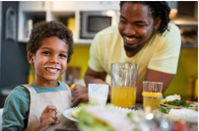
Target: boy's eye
[62, 55]
[46, 52]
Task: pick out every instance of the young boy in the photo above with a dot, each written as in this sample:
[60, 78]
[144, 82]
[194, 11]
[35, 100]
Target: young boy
[34, 106]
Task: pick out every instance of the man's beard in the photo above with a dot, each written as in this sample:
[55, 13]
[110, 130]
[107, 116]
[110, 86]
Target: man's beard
[131, 49]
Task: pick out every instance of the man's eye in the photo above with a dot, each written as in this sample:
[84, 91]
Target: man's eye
[141, 25]
[122, 21]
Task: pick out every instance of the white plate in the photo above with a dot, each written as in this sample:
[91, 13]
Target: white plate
[68, 113]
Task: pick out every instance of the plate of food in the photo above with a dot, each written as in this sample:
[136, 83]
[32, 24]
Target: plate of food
[182, 114]
[95, 118]
[71, 113]
[175, 101]
[75, 112]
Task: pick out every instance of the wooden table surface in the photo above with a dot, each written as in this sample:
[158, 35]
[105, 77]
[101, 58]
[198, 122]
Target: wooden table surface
[68, 125]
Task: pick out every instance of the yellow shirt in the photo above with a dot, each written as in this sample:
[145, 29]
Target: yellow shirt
[161, 53]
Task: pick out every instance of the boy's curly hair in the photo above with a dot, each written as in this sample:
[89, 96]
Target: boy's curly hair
[157, 8]
[45, 29]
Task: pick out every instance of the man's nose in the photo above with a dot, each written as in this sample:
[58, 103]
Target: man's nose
[129, 30]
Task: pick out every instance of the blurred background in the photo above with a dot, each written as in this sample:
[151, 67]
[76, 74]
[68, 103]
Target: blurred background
[85, 19]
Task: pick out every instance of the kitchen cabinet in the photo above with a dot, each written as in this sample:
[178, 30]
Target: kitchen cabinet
[35, 6]
[84, 5]
[30, 10]
[58, 11]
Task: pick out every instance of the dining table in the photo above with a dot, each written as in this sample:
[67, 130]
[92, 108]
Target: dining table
[66, 124]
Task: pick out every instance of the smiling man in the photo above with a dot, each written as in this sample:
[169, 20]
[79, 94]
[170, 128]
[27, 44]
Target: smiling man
[143, 36]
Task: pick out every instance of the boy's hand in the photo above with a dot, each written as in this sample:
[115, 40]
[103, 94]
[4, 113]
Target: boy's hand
[48, 116]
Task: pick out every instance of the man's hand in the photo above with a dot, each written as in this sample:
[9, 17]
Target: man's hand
[48, 116]
[80, 94]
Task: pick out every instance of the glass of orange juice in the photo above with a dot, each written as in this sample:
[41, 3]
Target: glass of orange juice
[123, 84]
[152, 93]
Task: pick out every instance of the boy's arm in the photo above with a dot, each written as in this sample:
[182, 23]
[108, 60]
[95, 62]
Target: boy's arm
[15, 113]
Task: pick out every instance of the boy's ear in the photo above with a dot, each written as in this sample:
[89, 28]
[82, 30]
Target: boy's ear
[30, 57]
[158, 21]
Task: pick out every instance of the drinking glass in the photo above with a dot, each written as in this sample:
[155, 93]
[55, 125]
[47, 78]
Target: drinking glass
[98, 93]
[152, 93]
[123, 84]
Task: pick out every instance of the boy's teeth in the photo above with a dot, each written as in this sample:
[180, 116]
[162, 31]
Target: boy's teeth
[50, 69]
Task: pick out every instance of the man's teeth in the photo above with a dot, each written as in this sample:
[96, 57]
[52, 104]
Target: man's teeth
[130, 39]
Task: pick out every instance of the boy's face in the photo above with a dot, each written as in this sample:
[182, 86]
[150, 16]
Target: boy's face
[136, 24]
[50, 59]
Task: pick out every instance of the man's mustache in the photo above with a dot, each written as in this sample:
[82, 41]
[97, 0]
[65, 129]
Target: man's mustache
[130, 36]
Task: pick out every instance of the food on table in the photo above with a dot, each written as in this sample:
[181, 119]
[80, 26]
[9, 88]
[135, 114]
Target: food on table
[111, 118]
[101, 118]
[72, 86]
[176, 102]
[187, 115]
[173, 97]
[164, 110]
[76, 112]
[179, 126]
[193, 104]
[123, 96]
[183, 114]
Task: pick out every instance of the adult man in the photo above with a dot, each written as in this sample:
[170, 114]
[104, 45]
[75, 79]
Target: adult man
[145, 37]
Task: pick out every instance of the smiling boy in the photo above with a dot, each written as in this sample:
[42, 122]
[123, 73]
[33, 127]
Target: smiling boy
[34, 106]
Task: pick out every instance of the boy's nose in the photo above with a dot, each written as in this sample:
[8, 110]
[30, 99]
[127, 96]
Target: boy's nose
[54, 60]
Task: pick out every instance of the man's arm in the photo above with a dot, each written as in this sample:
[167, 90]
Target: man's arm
[92, 76]
[152, 75]
[81, 94]
[157, 76]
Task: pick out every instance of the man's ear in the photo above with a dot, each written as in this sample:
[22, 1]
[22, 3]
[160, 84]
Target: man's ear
[30, 57]
[157, 22]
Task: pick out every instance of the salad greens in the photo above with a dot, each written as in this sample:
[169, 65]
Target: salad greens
[87, 122]
[177, 102]
[164, 110]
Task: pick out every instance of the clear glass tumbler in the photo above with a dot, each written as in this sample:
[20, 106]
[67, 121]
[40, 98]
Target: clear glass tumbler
[123, 84]
[152, 93]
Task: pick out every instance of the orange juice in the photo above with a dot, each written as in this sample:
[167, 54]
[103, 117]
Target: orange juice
[151, 99]
[123, 96]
